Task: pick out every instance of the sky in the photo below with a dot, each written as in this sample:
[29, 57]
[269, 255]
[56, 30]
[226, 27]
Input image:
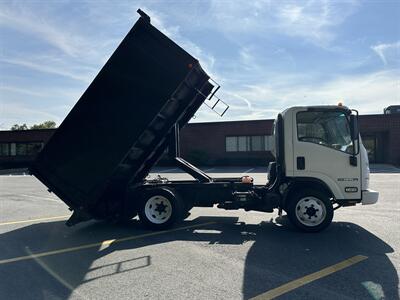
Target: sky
[266, 55]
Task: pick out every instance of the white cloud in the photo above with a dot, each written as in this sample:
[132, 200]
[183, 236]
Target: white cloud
[39, 93]
[387, 51]
[18, 90]
[24, 21]
[313, 21]
[248, 59]
[58, 36]
[48, 65]
[368, 93]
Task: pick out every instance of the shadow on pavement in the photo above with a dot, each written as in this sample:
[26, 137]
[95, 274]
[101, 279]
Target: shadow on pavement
[278, 254]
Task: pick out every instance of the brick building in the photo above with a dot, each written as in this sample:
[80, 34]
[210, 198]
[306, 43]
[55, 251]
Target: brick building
[18, 148]
[222, 143]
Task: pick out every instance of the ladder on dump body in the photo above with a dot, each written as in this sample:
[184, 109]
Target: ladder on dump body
[214, 102]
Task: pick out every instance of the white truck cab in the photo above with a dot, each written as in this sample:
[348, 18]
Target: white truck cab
[319, 154]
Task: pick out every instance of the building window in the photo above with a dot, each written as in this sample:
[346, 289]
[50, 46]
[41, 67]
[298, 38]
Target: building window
[269, 142]
[20, 149]
[248, 143]
[243, 144]
[13, 151]
[4, 149]
[231, 143]
[257, 143]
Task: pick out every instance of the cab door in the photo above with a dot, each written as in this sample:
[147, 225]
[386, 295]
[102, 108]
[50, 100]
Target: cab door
[322, 148]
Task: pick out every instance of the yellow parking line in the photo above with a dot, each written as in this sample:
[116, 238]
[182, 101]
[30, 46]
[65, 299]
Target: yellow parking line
[283, 289]
[34, 220]
[102, 243]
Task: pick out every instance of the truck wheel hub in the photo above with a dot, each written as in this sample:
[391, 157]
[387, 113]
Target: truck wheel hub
[158, 209]
[310, 211]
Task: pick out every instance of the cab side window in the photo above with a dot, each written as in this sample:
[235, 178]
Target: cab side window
[326, 128]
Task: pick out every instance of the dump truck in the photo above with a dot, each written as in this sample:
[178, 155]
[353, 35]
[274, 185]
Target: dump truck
[98, 160]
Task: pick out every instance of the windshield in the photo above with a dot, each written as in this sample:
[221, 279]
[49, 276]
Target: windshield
[326, 128]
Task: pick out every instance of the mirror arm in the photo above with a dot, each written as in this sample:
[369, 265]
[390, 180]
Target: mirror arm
[355, 136]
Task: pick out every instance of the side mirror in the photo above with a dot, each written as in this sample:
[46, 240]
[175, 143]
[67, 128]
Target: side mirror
[354, 127]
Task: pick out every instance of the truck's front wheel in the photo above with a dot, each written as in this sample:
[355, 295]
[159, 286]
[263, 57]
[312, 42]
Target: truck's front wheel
[160, 208]
[310, 210]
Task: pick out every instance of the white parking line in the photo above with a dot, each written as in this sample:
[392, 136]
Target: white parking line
[247, 171]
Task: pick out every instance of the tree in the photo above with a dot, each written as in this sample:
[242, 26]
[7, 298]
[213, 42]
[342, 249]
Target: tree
[19, 127]
[44, 125]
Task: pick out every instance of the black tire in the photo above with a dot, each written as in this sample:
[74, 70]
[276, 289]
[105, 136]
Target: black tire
[160, 208]
[310, 210]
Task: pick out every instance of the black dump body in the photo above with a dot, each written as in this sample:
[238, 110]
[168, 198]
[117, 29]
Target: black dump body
[121, 125]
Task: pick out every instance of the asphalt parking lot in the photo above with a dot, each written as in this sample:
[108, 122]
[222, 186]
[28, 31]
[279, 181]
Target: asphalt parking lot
[214, 254]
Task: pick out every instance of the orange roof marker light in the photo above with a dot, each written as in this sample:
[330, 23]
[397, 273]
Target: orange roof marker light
[340, 103]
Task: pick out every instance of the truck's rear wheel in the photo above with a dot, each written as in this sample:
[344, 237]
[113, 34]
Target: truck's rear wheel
[310, 210]
[160, 208]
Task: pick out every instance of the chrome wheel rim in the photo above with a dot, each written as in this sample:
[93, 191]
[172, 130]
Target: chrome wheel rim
[158, 209]
[310, 211]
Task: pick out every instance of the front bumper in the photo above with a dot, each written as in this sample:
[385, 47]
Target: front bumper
[369, 197]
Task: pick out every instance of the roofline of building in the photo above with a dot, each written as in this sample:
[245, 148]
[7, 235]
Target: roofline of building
[256, 120]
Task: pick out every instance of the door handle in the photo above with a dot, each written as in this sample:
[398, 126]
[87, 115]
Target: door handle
[301, 163]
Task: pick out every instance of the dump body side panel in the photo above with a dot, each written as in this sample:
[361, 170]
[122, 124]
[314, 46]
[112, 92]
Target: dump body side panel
[148, 84]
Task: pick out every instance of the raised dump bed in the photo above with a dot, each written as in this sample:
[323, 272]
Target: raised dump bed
[121, 125]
